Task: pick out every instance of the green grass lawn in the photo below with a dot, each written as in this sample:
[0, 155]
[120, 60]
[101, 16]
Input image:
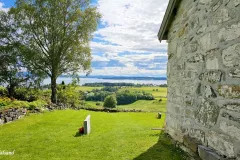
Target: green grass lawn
[114, 136]
[162, 91]
[147, 105]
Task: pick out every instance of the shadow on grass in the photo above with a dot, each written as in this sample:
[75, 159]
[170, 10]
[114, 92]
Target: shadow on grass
[78, 134]
[163, 150]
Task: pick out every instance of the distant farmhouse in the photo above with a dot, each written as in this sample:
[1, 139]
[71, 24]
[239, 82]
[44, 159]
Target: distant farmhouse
[203, 110]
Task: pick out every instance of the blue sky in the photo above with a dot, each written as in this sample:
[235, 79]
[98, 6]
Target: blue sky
[126, 43]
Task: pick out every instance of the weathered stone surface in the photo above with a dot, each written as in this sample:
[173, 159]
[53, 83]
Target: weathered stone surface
[212, 64]
[230, 129]
[207, 154]
[1, 121]
[233, 107]
[8, 119]
[208, 114]
[230, 32]
[229, 91]
[209, 92]
[196, 59]
[221, 143]
[236, 2]
[211, 76]
[204, 51]
[221, 16]
[235, 73]
[231, 56]
[230, 117]
[190, 143]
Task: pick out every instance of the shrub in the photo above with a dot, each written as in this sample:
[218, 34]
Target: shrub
[3, 92]
[4, 101]
[69, 96]
[98, 104]
[110, 102]
[126, 98]
[25, 94]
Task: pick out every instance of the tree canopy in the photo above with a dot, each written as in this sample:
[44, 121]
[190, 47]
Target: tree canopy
[55, 35]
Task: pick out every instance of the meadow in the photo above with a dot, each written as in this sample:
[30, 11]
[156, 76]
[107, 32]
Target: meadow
[115, 136]
[54, 135]
[144, 105]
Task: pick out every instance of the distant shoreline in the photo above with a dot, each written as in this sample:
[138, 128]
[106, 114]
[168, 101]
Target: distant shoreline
[120, 77]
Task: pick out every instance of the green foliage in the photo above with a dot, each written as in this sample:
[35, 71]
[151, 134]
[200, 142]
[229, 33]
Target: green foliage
[97, 95]
[110, 102]
[3, 92]
[69, 95]
[4, 101]
[56, 35]
[26, 94]
[8, 103]
[126, 98]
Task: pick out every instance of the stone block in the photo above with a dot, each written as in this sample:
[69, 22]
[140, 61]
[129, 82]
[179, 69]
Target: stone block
[221, 143]
[232, 130]
[231, 55]
[190, 143]
[230, 32]
[229, 91]
[209, 92]
[206, 153]
[8, 119]
[207, 114]
[235, 73]
[212, 63]
[236, 2]
[233, 107]
[211, 76]
[230, 117]
[1, 121]
[221, 16]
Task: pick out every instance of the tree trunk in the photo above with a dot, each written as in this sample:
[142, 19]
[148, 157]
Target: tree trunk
[54, 89]
[11, 91]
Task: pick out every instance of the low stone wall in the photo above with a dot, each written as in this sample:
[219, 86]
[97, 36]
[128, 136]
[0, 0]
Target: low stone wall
[110, 110]
[12, 114]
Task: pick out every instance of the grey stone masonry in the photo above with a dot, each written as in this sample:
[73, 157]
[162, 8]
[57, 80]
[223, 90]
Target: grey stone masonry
[204, 76]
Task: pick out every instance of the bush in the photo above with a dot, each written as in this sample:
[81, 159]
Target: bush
[126, 98]
[110, 102]
[4, 101]
[25, 94]
[69, 96]
[25, 104]
[3, 92]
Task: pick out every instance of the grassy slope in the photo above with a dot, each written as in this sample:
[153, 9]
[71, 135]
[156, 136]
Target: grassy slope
[114, 136]
[145, 105]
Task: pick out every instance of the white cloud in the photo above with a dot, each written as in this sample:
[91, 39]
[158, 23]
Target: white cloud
[133, 26]
[2, 7]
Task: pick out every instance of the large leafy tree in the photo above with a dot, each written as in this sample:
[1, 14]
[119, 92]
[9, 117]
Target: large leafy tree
[56, 35]
[13, 73]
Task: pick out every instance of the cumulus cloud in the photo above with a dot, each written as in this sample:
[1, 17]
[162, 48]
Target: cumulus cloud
[129, 36]
[2, 8]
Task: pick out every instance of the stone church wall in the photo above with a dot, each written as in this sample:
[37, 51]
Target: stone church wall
[204, 74]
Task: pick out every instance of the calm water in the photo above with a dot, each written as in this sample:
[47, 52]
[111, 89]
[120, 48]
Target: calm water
[68, 80]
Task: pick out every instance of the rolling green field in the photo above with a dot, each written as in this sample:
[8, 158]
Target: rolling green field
[115, 136]
[144, 105]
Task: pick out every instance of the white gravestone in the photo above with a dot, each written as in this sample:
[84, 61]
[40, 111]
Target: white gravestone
[87, 127]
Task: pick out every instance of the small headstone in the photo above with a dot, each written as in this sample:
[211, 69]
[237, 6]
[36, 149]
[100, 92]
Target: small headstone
[87, 126]
[159, 115]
